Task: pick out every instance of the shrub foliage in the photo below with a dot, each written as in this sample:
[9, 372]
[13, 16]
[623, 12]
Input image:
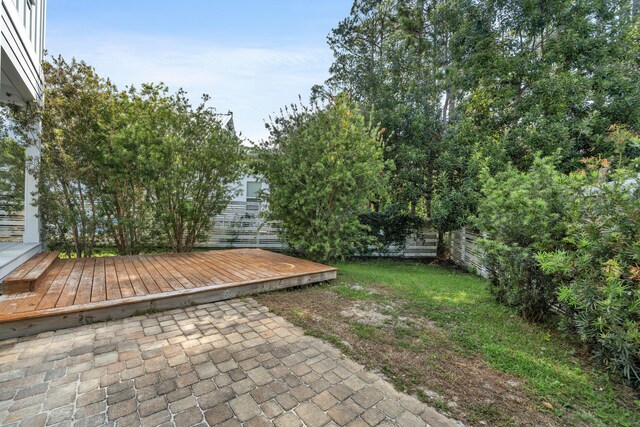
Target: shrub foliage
[132, 168]
[324, 166]
[599, 271]
[12, 158]
[390, 227]
[522, 213]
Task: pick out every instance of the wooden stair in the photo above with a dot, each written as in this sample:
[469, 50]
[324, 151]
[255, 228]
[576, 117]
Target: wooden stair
[25, 277]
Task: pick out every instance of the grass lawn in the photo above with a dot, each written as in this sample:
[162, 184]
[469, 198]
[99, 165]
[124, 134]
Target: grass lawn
[436, 332]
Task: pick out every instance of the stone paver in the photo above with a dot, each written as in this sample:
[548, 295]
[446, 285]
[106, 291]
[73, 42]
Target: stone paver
[226, 363]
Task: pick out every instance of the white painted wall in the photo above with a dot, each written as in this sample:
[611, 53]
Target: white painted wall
[22, 25]
[22, 29]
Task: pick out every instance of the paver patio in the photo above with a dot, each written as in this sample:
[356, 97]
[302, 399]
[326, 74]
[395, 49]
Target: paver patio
[228, 363]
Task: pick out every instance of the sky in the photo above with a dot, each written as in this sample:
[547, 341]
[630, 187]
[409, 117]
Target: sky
[252, 56]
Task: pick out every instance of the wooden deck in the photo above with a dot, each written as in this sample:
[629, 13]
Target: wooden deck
[79, 291]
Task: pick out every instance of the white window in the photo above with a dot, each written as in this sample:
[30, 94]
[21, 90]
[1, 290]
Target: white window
[253, 191]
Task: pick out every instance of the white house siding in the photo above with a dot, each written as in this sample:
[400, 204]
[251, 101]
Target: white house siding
[22, 29]
[22, 26]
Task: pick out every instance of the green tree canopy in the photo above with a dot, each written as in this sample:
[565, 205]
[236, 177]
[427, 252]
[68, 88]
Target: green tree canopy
[492, 82]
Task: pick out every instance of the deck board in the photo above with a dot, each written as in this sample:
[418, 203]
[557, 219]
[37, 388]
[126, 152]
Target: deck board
[85, 286]
[134, 277]
[52, 294]
[176, 271]
[219, 269]
[170, 269]
[98, 290]
[25, 268]
[33, 299]
[166, 282]
[68, 294]
[111, 279]
[116, 286]
[147, 279]
[124, 282]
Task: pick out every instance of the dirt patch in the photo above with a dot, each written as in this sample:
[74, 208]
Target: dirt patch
[413, 353]
[368, 314]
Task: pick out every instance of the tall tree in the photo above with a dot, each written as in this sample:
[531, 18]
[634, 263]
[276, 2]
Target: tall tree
[493, 82]
[366, 45]
[134, 124]
[134, 168]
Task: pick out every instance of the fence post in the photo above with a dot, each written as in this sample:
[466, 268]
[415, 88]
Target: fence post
[463, 246]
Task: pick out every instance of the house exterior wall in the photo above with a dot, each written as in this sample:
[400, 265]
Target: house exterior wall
[22, 29]
[22, 24]
[240, 187]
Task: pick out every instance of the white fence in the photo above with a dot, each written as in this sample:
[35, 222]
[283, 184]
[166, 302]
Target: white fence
[420, 244]
[242, 225]
[464, 251]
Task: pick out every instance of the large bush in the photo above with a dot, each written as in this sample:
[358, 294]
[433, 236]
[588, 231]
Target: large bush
[190, 169]
[324, 166]
[389, 228]
[74, 124]
[599, 272]
[521, 214]
[130, 168]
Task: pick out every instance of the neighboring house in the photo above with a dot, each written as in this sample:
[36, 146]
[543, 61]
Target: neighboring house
[248, 189]
[21, 81]
[242, 222]
[226, 121]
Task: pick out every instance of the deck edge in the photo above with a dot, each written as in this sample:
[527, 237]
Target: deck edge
[118, 309]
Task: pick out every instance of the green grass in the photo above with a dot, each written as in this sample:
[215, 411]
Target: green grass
[460, 304]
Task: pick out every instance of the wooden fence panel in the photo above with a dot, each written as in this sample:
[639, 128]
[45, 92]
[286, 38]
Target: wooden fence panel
[421, 244]
[11, 227]
[465, 252]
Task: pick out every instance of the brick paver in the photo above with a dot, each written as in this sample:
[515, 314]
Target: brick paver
[225, 363]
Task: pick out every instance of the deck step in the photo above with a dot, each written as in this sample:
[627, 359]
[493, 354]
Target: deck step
[25, 277]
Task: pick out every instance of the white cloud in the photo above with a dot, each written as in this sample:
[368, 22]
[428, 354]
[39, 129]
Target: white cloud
[253, 82]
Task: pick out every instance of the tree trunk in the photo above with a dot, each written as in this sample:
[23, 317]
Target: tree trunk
[441, 248]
